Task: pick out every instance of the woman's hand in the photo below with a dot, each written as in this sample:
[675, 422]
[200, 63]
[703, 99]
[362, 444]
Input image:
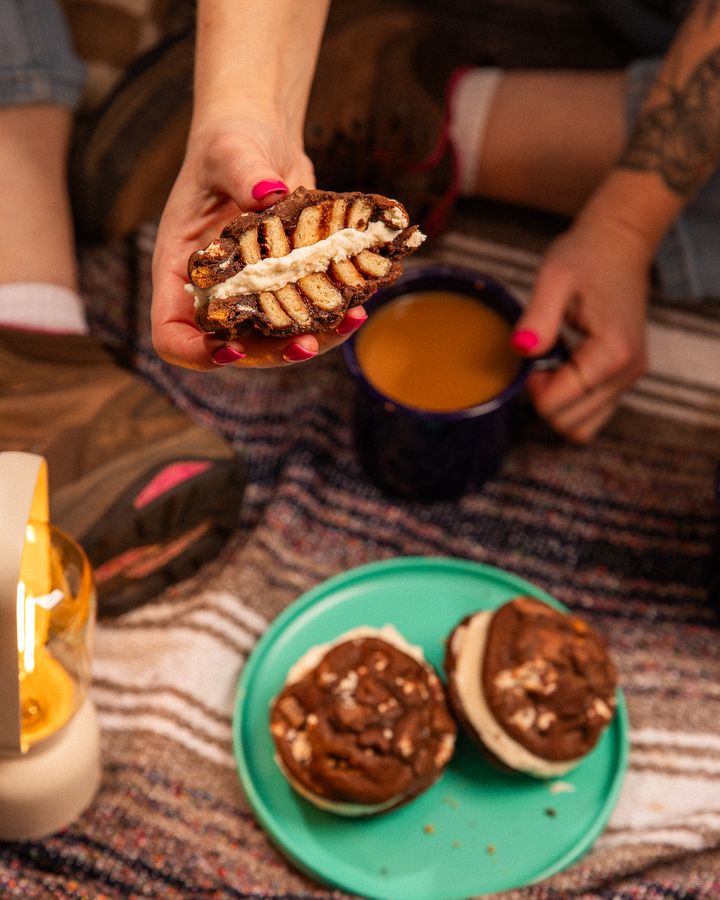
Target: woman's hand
[230, 166]
[594, 278]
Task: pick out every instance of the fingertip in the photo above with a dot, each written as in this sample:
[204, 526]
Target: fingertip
[308, 341]
[354, 318]
[227, 354]
[524, 340]
[304, 347]
[542, 319]
[268, 189]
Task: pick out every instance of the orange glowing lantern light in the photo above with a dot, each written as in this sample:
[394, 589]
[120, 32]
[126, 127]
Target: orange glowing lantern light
[49, 740]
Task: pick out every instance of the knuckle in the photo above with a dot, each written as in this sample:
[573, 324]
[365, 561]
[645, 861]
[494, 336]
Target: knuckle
[624, 356]
[641, 366]
[221, 146]
[582, 434]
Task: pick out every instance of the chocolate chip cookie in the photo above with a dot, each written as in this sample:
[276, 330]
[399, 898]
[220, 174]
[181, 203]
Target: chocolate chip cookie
[534, 686]
[361, 725]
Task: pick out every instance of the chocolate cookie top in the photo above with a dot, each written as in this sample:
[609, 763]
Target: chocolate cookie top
[548, 679]
[367, 725]
[298, 266]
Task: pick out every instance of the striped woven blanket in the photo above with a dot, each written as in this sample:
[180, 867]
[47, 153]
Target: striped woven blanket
[623, 531]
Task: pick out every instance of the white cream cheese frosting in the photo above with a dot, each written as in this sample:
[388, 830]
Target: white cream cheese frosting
[468, 647]
[274, 272]
[337, 806]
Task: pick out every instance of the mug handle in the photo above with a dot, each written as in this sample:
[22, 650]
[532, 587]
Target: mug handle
[556, 356]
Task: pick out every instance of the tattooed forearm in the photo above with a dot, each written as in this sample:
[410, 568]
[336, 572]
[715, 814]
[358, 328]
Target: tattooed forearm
[679, 137]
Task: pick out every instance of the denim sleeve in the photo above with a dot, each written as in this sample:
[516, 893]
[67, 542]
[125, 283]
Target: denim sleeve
[37, 60]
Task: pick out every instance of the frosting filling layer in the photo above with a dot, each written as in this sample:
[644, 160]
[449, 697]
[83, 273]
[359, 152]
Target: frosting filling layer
[468, 647]
[338, 806]
[273, 272]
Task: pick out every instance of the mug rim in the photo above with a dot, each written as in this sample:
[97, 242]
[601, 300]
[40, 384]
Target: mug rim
[461, 279]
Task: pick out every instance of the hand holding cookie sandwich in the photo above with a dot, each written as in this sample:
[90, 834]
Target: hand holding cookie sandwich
[232, 212]
[302, 267]
[244, 151]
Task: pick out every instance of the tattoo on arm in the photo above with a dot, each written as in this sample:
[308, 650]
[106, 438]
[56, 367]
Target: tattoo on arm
[679, 137]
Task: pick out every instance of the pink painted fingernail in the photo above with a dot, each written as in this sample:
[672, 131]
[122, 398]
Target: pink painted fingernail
[297, 353]
[351, 322]
[263, 188]
[223, 356]
[524, 340]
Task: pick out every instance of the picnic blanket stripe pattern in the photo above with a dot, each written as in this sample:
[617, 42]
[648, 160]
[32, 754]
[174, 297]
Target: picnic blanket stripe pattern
[621, 531]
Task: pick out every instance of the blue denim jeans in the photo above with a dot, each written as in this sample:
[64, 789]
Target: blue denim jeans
[37, 61]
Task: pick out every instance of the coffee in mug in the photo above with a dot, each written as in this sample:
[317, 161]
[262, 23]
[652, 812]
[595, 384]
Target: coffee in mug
[439, 351]
[436, 379]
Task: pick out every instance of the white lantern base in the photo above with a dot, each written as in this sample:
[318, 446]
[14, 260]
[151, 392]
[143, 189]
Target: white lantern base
[48, 787]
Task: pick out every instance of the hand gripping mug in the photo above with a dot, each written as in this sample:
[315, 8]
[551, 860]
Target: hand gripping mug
[436, 382]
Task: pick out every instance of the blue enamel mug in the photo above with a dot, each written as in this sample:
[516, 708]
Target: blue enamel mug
[417, 454]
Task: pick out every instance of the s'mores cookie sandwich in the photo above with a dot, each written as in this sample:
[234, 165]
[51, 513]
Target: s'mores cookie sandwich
[298, 266]
[533, 686]
[361, 724]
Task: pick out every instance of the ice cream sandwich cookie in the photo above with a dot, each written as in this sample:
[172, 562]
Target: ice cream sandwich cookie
[361, 724]
[533, 686]
[297, 267]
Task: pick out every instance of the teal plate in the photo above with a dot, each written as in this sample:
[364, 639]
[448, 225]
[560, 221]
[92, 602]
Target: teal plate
[476, 830]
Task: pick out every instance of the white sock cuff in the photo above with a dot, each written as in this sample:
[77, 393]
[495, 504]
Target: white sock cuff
[39, 306]
[469, 109]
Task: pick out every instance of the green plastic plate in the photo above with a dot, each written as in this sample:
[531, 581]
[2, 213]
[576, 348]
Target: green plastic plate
[476, 830]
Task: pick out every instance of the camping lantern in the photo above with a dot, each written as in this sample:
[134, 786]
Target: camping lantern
[49, 740]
